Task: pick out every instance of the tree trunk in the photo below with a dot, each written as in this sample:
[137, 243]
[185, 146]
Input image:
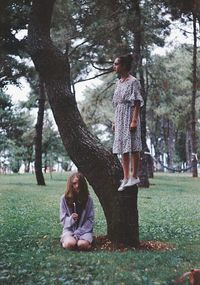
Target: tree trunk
[150, 166]
[101, 168]
[144, 180]
[29, 159]
[126, 232]
[188, 148]
[169, 139]
[194, 91]
[171, 144]
[150, 162]
[38, 137]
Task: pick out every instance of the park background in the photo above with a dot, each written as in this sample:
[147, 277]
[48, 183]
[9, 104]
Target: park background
[90, 35]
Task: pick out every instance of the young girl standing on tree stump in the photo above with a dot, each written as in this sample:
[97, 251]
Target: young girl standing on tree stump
[127, 101]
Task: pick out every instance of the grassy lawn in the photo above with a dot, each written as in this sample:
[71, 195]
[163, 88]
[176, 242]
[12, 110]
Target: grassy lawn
[169, 211]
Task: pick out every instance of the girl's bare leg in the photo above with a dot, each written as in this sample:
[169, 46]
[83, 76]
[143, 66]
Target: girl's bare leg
[135, 159]
[125, 164]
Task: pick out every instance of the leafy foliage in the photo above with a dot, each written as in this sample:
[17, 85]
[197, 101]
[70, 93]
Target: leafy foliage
[91, 33]
[169, 99]
[97, 31]
[97, 110]
[14, 18]
[13, 121]
[180, 7]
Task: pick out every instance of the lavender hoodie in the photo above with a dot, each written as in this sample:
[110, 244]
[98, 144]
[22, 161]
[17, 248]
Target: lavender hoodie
[84, 229]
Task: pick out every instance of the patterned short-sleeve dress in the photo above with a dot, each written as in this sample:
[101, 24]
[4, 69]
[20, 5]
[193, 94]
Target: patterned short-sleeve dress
[125, 95]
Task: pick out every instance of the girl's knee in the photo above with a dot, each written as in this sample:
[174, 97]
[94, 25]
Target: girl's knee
[69, 243]
[84, 245]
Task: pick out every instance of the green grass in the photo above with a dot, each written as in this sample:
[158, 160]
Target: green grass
[31, 253]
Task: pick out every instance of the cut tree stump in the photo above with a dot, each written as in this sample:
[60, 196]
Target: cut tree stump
[127, 231]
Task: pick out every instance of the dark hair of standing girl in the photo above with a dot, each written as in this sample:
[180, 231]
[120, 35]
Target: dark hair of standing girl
[126, 61]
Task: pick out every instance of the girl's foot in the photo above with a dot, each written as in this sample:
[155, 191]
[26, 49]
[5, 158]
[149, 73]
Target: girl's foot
[122, 185]
[132, 181]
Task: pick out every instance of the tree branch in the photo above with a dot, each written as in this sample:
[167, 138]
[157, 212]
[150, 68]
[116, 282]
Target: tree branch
[75, 48]
[93, 77]
[187, 32]
[102, 69]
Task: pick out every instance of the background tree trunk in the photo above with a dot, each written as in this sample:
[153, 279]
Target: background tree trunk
[144, 180]
[101, 168]
[38, 136]
[188, 148]
[193, 105]
[150, 166]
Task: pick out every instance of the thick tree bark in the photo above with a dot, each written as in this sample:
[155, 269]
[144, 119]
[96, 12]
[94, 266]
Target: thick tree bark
[38, 136]
[101, 168]
[126, 232]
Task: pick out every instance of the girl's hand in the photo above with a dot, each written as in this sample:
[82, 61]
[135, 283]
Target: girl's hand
[133, 125]
[75, 216]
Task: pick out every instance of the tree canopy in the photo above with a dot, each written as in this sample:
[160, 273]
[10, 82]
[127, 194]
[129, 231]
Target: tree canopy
[90, 34]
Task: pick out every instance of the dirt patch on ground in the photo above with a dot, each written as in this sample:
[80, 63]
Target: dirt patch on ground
[103, 243]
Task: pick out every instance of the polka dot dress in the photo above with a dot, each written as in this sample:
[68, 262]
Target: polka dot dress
[125, 95]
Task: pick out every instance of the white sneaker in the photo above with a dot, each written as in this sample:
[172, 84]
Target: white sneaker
[122, 185]
[132, 181]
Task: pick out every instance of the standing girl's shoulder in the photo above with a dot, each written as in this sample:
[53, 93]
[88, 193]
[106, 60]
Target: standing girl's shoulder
[134, 80]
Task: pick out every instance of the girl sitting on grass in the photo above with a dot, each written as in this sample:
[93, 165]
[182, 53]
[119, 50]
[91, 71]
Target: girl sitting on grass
[77, 214]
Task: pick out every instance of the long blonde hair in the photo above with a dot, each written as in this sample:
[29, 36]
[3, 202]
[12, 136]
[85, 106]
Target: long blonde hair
[83, 194]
